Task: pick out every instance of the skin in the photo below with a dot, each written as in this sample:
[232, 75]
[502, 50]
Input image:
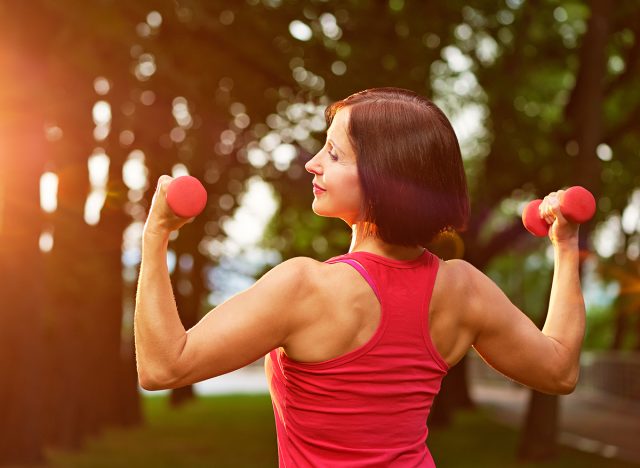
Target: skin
[304, 301]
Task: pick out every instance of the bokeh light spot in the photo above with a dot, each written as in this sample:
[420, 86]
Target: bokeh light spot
[46, 241]
[604, 152]
[154, 19]
[101, 113]
[49, 192]
[300, 30]
[98, 164]
[101, 85]
[338, 68]
[227, 17]
[127, 137]
[134, 171]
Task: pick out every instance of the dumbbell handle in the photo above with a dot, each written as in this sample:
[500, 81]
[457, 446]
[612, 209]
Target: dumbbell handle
[577, 205]
[186, 196]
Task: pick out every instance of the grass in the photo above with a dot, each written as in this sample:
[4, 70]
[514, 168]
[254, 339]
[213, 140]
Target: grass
[226, 431]
[238, 431]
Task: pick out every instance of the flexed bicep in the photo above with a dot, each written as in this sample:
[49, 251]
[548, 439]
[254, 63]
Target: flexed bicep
[245, 327]
[508, 340]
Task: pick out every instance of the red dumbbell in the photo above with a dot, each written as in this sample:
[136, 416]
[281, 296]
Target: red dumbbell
[186, 196]
[577, 204]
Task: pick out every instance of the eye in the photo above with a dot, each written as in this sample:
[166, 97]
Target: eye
[333, 156]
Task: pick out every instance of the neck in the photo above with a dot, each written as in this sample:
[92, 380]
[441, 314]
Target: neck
[372, 243]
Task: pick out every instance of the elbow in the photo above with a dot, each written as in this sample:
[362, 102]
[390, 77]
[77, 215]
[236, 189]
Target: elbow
[567, 387]
[159, 374]
[149, 385]
[566, 383]
[155, 382]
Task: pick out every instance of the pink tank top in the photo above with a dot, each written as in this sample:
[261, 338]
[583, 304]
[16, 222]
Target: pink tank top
[368, 407]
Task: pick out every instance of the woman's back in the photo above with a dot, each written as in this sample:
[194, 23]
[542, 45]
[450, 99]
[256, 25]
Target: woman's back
[367, 406]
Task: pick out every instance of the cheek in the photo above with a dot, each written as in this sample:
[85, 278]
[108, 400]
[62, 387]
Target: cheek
[345, 188]
[354, 193]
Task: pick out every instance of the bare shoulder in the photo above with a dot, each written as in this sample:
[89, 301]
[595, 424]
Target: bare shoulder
[460, 268]
[451, 325]
[463, 284]
[295, 280]
[454, 279]
[293, 273]
[304, 272]
[463, 277]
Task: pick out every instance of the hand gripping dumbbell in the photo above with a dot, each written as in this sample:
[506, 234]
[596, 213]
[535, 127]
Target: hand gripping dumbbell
[577, 205]
[186, 196]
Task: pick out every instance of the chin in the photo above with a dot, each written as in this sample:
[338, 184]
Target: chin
[328, 210]
[321, 212]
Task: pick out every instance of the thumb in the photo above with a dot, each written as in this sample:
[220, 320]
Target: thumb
[162, 186]
[164, 181]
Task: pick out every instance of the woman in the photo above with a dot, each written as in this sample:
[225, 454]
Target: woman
[357, 345]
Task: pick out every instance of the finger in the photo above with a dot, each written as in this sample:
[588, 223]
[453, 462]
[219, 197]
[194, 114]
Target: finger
[554, 205]
[546, 207]
[163, 182]
[557, 213]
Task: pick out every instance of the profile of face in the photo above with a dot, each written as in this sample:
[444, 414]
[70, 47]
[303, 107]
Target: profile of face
[336, 171]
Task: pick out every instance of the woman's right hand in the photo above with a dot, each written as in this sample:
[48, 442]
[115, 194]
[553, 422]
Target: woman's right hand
[161, 220]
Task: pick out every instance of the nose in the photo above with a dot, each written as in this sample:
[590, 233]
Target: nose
[313, 166]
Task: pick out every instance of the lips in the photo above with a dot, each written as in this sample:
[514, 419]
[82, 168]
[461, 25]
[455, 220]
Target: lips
[317, 190]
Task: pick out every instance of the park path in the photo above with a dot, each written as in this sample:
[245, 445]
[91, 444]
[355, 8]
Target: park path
[589, 421]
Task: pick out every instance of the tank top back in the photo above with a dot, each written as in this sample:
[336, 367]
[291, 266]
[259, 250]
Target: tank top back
[368, 407]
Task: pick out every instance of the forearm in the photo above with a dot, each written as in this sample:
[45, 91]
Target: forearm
[565, 323]
[159, 333]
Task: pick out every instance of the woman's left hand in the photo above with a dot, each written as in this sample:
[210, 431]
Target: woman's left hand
[161, 220]
[561, 231]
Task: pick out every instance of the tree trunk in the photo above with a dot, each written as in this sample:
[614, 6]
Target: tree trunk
[538, 439]
[119, 387]
[539, 436]
[620, 325]
[21, 285]
[109, 325]
[73, 277]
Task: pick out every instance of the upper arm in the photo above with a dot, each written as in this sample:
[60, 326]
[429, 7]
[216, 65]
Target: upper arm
[507, 339]
[245, 327]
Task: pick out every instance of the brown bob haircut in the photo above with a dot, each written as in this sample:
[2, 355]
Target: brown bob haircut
[409, 165]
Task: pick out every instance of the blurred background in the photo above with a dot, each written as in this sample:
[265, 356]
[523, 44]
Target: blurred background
[98, 98]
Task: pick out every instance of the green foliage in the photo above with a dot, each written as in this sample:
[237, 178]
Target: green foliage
[600, 328]
[525, 277]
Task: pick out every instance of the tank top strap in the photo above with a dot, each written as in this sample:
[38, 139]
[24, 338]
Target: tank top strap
[361, 269]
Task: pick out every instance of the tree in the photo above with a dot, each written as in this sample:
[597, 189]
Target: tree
[21, 288]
